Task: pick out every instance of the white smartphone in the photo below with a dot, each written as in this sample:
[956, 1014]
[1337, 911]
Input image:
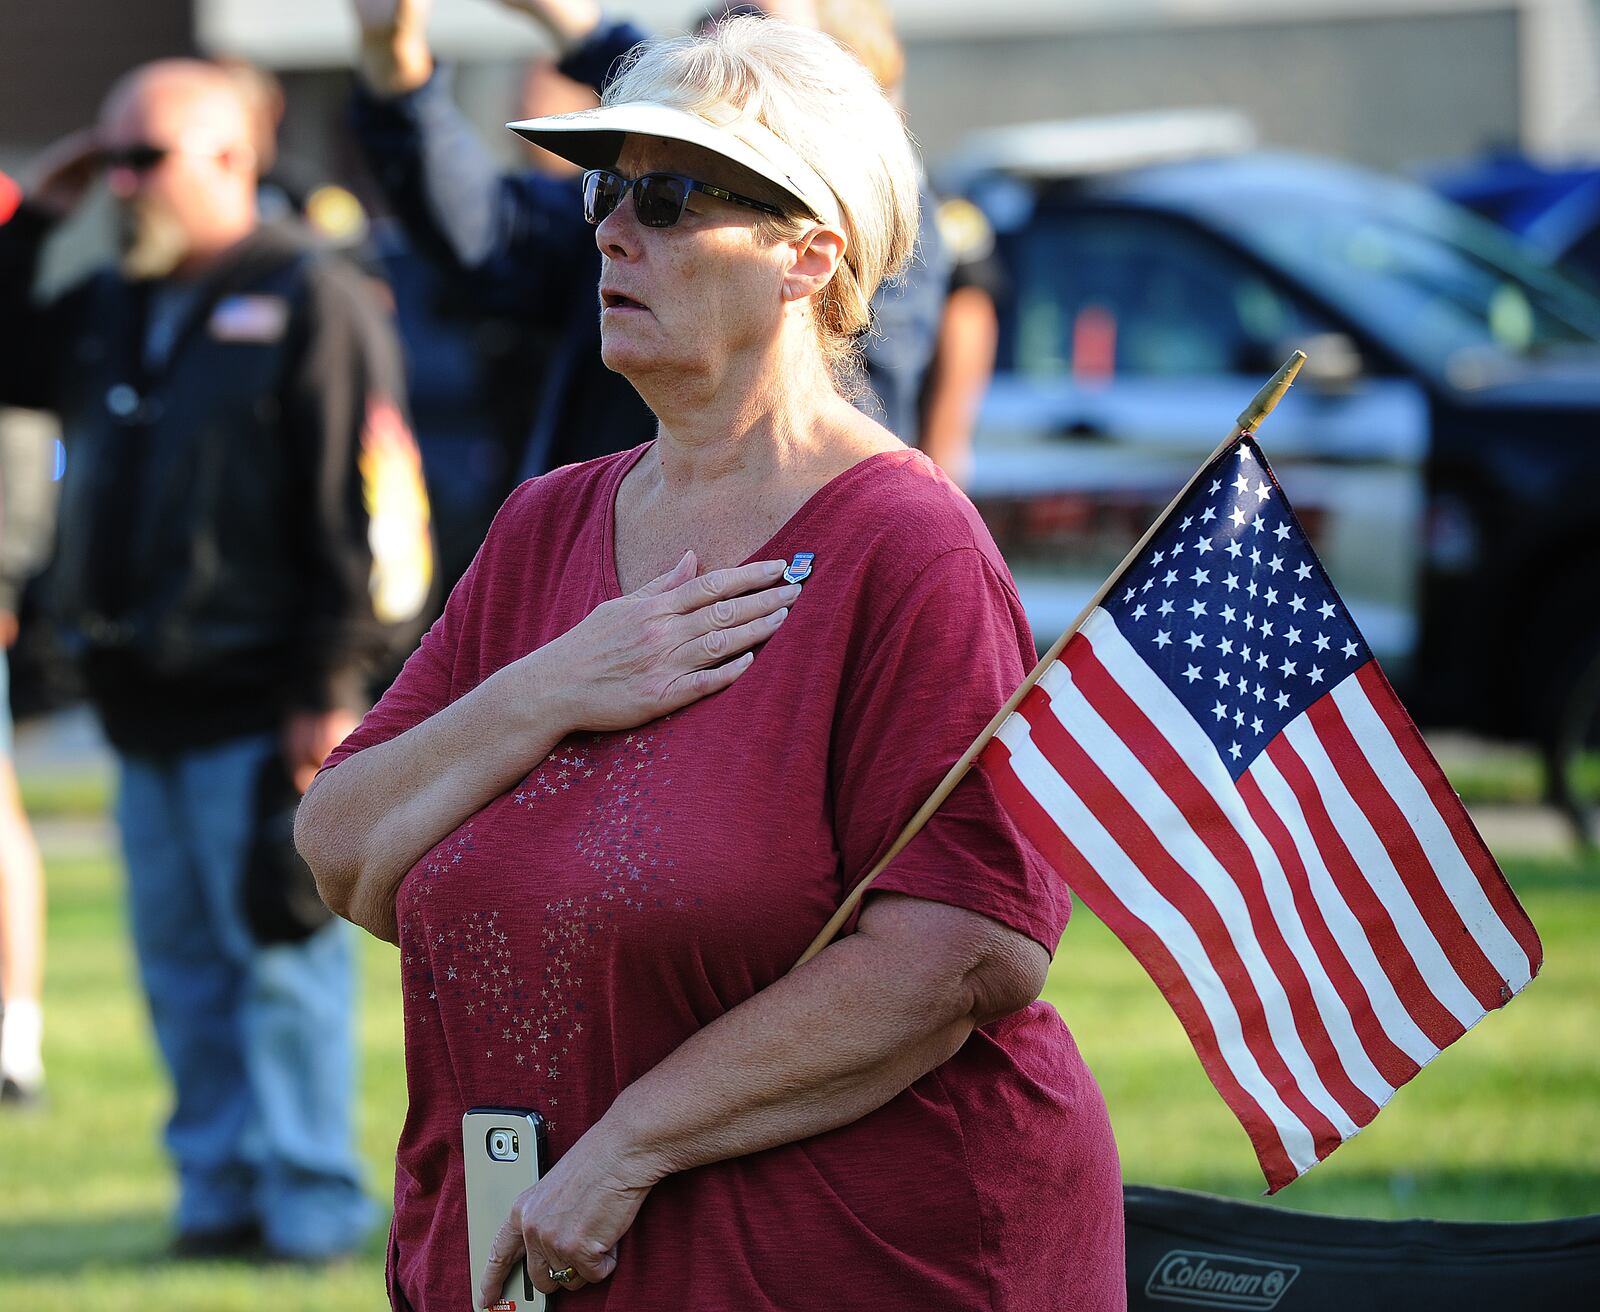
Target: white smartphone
[504, 1151]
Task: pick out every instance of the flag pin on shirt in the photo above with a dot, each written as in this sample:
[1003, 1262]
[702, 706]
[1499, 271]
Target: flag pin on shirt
[799, 568]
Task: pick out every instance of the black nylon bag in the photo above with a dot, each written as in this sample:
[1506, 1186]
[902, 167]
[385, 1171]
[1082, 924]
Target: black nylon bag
[281, 902]
[1199, 1251]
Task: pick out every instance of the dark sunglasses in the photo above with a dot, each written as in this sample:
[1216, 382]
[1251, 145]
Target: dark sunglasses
[659, 199]
[140, 158]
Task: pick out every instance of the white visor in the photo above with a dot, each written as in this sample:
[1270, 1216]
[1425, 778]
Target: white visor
[592, 139]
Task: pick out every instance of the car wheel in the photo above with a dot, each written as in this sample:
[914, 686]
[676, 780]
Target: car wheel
[1570, 743]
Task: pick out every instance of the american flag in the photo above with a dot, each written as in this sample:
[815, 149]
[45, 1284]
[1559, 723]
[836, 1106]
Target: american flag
[1218, 767]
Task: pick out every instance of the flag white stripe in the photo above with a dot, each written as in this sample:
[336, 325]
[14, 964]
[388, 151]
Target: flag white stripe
[1141, 791]
[1145, 794]
[1370, 855]
[1438, 844]
[1393, 1018]
[1142, 901]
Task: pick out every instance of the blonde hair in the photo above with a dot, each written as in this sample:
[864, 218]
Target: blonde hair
[820, 100]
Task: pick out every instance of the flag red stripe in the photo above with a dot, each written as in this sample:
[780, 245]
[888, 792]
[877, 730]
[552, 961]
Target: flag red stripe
[1213, 828]
[1454, 814]
[1431, 1015]
[1392, 1062]
[1150, 951]
[1119, 817]
[1399, 840]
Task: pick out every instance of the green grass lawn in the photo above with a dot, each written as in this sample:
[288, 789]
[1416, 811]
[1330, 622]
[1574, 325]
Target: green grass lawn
[1505, 1125]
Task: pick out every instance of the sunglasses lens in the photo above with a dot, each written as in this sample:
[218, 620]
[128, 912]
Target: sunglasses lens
[602, 193]
[141, 159]
[659, 199]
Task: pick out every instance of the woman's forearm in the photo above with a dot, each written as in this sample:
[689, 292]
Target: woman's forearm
[363, 825]
[827, 1044]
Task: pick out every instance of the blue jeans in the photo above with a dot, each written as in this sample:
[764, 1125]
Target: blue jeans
[258, 1040]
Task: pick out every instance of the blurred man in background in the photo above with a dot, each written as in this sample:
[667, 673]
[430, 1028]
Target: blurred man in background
[243, 536]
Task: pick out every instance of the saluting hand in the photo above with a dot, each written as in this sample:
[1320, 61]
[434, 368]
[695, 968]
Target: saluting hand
[569, 22]
[308, 737]
[675, 640]
[64, 172]
[395, 57]
[375, 14]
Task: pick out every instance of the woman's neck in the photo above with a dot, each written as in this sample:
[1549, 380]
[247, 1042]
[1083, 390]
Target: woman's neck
[746, 418]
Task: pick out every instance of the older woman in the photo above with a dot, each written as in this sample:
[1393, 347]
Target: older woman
[632, 770]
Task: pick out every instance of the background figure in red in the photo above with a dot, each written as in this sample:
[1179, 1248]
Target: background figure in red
[27, 515]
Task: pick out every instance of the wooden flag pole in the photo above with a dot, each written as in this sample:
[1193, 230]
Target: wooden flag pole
[1249, 420]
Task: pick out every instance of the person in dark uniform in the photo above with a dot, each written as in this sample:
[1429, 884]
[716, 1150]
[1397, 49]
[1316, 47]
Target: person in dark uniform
[474, 371]
[969, 339]
[516, 241]
[243, 538]
[514, 234]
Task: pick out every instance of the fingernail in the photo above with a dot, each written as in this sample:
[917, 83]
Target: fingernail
[777, 566]
[778, 616]
[789, 592]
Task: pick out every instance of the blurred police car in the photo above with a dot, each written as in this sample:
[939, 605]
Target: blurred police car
[1442, 444]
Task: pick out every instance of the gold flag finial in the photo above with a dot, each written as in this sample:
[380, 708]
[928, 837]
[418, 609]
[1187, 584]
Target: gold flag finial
[1268, 397]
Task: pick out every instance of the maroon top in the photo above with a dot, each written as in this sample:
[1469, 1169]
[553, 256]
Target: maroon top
[635, 886]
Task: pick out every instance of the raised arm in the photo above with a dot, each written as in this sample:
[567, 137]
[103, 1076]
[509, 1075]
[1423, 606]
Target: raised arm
[589, 45]
[569, 23]
[963, 365]
[365, 823]
[517, 239]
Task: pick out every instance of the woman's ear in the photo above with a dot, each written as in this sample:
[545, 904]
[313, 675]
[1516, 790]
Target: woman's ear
[817, 255]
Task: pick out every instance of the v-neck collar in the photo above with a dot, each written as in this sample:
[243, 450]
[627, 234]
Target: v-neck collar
[816, 501]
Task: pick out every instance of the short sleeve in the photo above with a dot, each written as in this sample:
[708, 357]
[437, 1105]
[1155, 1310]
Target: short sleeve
[943, 661]
[424, 685]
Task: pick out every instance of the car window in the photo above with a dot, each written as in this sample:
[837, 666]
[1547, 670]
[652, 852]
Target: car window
[1101, 295]
[1440, 282]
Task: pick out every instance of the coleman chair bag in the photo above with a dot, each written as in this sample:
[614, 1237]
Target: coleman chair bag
[1199, 1251]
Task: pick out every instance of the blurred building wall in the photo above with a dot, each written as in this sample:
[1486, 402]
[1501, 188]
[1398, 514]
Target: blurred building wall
[1561, 79]
[59, 57]
[1379, 89]
[1382, 82]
